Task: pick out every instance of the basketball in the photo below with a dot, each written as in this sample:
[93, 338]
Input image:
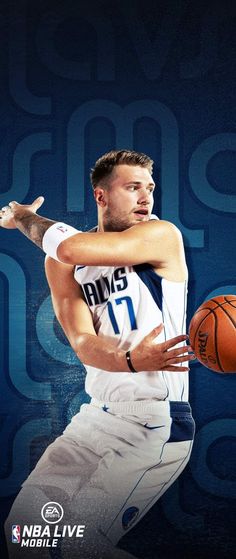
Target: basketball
[212, 334]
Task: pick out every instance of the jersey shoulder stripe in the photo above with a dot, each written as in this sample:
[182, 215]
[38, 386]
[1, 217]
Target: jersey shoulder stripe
[152, 281]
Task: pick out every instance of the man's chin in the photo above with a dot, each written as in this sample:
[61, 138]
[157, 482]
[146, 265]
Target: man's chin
[140, 219]
[122, 226]
[117, 227]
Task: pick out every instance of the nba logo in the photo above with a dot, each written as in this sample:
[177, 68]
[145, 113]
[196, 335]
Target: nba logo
[15, 533]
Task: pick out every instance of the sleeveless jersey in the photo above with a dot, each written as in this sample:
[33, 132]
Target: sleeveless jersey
[126, 303]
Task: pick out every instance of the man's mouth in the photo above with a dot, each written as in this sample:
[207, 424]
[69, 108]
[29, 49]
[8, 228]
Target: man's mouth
[141, 212]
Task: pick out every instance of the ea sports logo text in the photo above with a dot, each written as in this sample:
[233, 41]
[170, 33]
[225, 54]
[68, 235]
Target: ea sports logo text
[52, 512]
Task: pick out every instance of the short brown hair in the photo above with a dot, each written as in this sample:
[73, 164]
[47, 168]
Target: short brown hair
[105, 164]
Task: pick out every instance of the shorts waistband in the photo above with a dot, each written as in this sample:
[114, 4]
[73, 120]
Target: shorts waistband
[156, 407]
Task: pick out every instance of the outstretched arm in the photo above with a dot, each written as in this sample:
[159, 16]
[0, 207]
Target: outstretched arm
[101, 352]
[24, 218]
[157, 242]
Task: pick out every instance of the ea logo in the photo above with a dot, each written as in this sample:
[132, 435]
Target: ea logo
[52, 512]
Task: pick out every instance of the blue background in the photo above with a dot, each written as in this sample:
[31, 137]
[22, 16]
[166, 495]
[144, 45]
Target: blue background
[77, 79]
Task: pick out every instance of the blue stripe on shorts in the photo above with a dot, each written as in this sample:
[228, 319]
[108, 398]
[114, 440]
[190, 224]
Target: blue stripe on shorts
[183, 425]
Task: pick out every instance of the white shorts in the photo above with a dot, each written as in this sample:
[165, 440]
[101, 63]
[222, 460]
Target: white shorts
[114, 461]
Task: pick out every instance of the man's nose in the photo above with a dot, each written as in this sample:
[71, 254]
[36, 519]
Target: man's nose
[143, 197]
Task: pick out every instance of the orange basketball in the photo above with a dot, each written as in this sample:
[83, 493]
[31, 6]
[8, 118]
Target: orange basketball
[212, 333]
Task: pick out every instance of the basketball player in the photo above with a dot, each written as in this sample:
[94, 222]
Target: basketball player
[119, 293]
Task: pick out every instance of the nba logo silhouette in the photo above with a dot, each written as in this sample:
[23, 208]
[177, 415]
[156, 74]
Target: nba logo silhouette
[15, 532]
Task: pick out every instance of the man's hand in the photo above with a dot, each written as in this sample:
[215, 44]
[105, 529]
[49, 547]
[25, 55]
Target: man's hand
[148, 355]
[8, 213]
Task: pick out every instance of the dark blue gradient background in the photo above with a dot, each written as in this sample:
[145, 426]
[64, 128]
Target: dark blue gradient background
[79, 78]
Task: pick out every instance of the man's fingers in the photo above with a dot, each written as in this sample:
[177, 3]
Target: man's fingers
[180, 359]
[174, 341]
[178, 351]
[155, 332]
[4, 212]
[38, 202]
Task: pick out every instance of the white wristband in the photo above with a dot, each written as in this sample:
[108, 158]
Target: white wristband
[153, 216]
[55, 235]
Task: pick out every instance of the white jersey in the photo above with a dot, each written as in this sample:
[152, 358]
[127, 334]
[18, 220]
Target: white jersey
[127, 302]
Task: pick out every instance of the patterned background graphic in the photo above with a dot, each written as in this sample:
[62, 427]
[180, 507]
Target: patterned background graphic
[78, 79]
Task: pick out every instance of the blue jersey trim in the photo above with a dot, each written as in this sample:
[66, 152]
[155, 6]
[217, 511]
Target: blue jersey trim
[152, 281]
[154, 284]
[79, 268]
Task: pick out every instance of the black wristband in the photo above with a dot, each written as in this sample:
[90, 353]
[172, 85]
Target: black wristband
[129, 362]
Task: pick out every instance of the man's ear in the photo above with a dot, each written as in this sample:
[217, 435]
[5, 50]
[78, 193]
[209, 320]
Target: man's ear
[100, 196]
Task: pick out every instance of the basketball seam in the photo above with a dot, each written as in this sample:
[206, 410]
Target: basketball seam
[198, 328]
[217, 355]
[228, 315]
[203, 308]
[230, 301]
[216, 348]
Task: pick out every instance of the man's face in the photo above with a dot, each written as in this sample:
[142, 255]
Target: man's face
[129, 198]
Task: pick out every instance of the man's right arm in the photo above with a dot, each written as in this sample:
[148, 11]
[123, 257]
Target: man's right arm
[75, 318]
[158, 243]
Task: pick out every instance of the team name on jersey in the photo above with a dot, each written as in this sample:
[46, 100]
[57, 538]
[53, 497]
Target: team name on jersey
[98, 291]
